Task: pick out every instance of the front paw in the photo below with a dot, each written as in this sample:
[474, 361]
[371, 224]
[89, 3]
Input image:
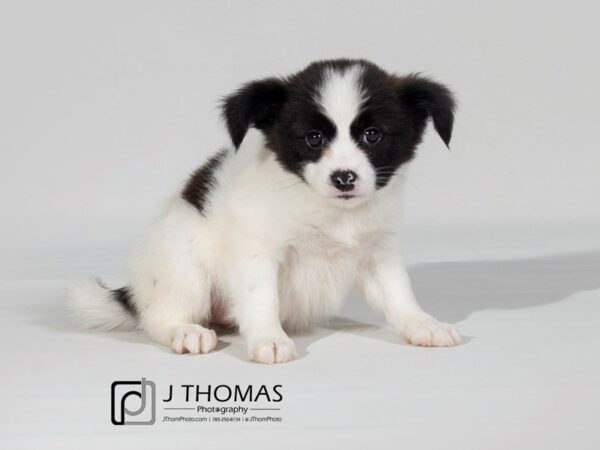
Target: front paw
[270, 350]
[425, 331]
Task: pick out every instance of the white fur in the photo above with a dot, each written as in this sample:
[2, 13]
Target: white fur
[272, 253]
[340, 99]
[93, 307]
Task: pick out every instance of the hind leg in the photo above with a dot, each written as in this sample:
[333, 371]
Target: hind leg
[172, 282]
[178, 327]
[176, 312]
[192, 338]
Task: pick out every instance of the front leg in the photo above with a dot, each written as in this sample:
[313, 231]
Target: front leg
[386, 286]
[253, 287]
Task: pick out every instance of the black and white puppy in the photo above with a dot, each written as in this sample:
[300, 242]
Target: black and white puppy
[271, 235]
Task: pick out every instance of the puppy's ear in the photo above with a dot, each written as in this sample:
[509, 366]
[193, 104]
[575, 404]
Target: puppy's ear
[255, 104]
[428, 98]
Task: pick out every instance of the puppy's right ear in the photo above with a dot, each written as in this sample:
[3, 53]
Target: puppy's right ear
[255, 104]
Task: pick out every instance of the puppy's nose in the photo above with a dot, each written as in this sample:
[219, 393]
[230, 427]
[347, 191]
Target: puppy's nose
[344, 179]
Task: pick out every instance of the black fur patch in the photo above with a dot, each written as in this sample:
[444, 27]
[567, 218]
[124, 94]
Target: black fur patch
[257, 103]
[286, 109]
[202, 181]
[123, 297]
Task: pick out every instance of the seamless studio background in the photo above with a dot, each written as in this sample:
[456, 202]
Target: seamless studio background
[106, 108]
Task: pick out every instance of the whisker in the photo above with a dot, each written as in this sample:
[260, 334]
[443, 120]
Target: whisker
[385, 168]
[294, 183]
[406, 180]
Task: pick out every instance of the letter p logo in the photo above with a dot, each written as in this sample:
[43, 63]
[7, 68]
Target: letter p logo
[133, 402]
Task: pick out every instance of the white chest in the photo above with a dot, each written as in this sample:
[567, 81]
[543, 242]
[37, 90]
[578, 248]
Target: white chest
[315, 275]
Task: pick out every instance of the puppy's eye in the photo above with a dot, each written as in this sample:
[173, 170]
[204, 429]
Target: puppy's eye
[371, 136]
[314, 139]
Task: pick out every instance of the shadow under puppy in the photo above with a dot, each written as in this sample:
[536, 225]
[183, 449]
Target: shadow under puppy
[271, 235]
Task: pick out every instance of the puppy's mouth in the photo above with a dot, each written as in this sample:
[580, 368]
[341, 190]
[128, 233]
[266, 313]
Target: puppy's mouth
[346, 196]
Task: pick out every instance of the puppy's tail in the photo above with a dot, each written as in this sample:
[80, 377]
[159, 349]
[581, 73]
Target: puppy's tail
[95, 306]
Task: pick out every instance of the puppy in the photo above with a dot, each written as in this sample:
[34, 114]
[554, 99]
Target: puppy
[270, 236]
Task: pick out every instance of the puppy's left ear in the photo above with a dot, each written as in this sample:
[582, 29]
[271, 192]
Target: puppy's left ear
[428, 98]
[255, 104]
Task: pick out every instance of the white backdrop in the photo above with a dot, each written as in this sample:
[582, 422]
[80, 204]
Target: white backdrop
[105, 107]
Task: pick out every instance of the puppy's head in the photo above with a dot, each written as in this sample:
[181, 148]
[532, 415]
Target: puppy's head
[343, 126]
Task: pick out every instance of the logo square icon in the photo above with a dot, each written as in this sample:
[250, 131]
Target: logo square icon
[133, 402]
